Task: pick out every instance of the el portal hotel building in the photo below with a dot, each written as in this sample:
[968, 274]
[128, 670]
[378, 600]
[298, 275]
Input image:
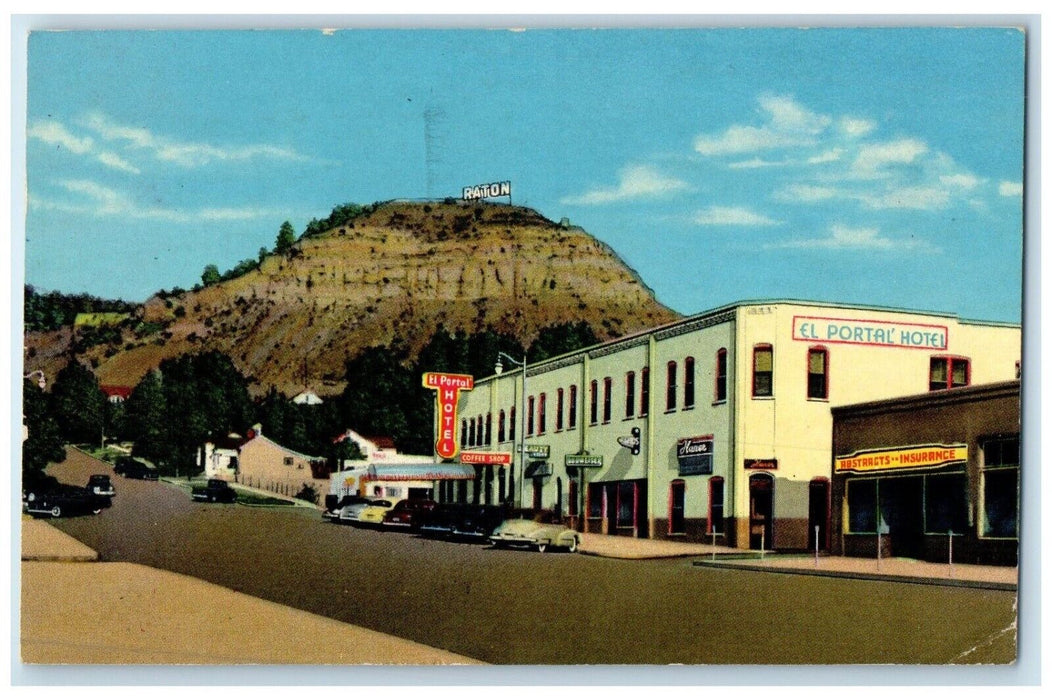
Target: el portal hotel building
[719, 427]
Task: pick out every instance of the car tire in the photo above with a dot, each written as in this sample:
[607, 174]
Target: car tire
[574, 543]
[542, 547]
[56, 511]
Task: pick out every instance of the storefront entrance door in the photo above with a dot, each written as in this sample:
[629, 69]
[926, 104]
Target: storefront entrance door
[818, 515]
[902, 514]
[761, 511]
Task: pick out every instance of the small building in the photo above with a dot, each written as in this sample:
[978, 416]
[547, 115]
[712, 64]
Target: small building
[221, 457]
[267, 465]
[913, 472]
[307, 398]
[116, 394]
[398, 481]
[378, 449]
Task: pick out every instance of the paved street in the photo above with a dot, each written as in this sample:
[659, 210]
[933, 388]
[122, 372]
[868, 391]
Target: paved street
[518, 607]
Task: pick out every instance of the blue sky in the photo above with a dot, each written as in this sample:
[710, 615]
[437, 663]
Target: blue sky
[872, 166]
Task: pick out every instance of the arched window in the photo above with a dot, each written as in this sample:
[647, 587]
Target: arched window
[721, 375]
[502, 432]
[688, 383]
[593, 403]
[670, 388]
[542, 408]
[530, 405]
[607, 390]
[572, 418]
[644, 391]
[559, 406]
[630, 394]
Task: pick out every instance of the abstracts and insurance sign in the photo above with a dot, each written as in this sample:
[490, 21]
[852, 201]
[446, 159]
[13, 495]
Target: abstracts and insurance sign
[912, 457]
[922, 336]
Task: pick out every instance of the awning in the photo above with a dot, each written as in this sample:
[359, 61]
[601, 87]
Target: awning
[537, 469]
[419, 472]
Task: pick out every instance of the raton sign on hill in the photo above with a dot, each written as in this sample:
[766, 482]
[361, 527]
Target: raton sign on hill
[493, 189]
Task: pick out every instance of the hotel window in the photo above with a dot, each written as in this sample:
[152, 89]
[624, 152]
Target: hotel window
[471, 433]
[817, 373]
[502, 432]
[593, 403]
[489, 429]
[716, 505]
[559, 409]
[511, 424]
[478, 431]
[464, 433]
[572, 418]
[688, 383]
[530, 405]
[670, 388]
[1000, 487]
[763, 370]
[630, 394]
[607, 387]
[644, 391]
[542, 411]
[948, 372]
[721, 375]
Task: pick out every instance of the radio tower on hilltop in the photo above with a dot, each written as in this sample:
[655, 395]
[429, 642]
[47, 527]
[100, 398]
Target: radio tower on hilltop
[433, 117]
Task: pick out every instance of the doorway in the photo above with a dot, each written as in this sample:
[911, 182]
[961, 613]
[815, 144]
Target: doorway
[818, 515]
[676, 497]
[761, 511]
[902, 515]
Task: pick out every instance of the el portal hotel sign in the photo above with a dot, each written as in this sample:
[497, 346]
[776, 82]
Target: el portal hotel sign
[447, 392]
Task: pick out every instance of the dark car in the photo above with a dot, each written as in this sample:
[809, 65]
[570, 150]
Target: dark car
[409, 513]
[479, 522]
[102, 488]
[131, 468]
[62, 500]
[215, 491]
[440, 520]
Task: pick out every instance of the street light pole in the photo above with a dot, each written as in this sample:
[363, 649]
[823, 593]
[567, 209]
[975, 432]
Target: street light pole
[522, 418]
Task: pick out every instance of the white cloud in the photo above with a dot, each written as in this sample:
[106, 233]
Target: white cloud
[924, 197]
[787, 124]
[104, 201]
[754, 163]
[802, 192]
[115, 161]
[855, 239]
[186, 154]
[856, 127]
[964, 181]
[56, 134]
[1010, 189]
[731, 216]
[636, 182]
[831, 156]
[874, 157]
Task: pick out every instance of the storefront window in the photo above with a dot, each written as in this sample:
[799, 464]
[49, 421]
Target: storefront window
[862, 505]
[1000, 485]
[945, 503]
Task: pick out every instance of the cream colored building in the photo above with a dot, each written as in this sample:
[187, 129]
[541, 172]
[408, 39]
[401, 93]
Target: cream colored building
[716, 427]
[267, 465]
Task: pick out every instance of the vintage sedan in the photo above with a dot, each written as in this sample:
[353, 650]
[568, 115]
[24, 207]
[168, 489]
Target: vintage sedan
[131, 468]
[62, 500]
[332, 513]
[373, 514]
[350, 513]
[409, 513]
[526, 532]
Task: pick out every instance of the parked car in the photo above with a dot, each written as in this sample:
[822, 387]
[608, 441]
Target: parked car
[350, 513]
[215, 491]
[440, 520]
[63, 499]
[131, 468]
[478, 522]
[332, 513]
[534, 532]
[409, 513]
[102, 488]
[373, 514]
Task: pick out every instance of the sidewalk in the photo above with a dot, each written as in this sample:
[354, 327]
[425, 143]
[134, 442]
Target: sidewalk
[77, 610]
[894, 569]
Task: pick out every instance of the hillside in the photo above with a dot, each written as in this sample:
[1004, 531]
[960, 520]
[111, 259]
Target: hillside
[396, 272]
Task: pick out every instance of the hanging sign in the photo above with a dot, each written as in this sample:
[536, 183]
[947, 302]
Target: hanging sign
[631, 442]
[447, 393]
[538, 451]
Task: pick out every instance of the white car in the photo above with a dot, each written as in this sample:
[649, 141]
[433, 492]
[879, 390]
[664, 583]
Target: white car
[349, 514]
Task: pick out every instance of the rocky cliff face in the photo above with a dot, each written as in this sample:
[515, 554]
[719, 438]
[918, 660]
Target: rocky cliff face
[397, 272]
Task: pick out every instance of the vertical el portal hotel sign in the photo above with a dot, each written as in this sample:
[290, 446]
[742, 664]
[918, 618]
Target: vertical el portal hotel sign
[882, 333]
[447, 394]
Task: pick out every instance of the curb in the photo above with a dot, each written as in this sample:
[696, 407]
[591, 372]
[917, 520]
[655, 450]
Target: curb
[861, 576]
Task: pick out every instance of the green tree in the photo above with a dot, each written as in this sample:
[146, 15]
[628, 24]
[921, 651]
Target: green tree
[561, 338]
[79, 404]
[43, 444]
[286, 239]
[210, 275]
